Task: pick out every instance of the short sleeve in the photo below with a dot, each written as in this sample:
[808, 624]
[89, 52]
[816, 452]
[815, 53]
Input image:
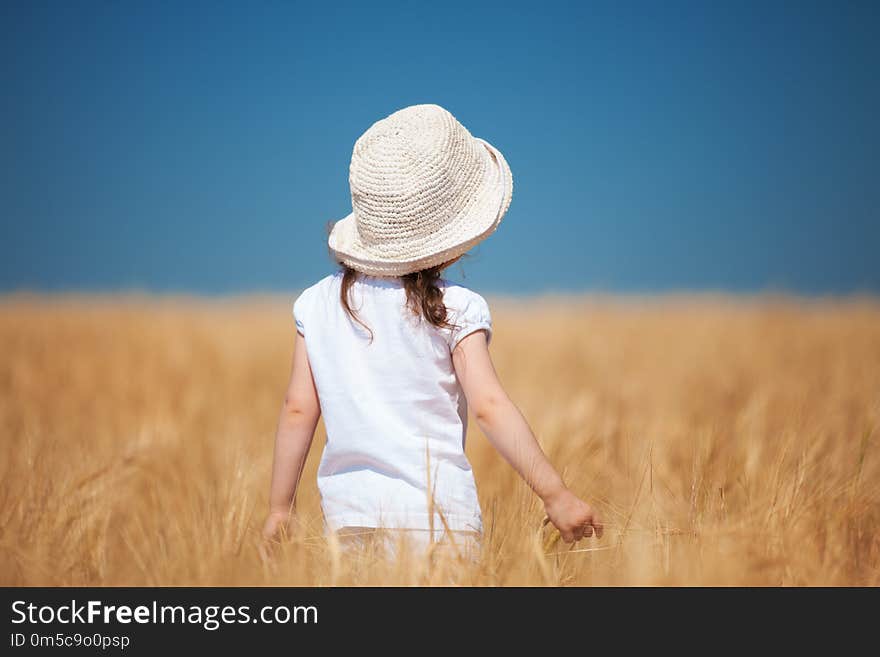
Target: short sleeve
[473, 315]
[300, 312]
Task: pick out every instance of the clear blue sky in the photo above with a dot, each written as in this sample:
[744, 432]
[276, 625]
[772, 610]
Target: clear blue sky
[202, 147]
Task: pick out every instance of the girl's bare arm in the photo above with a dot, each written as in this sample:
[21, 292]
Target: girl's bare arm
[296, 429]
[510, 434]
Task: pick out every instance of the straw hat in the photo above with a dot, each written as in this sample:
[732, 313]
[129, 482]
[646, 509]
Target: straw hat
[423, 191]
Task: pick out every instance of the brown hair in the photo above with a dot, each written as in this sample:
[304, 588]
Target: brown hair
[423, 294]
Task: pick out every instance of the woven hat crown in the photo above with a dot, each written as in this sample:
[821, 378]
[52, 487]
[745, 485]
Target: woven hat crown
[411, 174]
[423, 190]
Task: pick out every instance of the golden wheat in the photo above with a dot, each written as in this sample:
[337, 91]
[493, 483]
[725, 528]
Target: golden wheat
[726, 441]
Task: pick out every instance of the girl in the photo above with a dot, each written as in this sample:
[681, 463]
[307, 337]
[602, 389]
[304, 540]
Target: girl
[393, 354]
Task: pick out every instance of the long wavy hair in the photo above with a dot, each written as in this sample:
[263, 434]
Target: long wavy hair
[423, 294]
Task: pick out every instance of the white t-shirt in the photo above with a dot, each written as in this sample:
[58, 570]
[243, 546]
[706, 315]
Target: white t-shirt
[394, 411]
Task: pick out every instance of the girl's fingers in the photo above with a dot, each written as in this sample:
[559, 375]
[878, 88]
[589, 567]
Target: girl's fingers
[588, 531]
[266, 552]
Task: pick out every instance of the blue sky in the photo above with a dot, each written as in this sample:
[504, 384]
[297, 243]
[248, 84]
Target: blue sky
[203, 146]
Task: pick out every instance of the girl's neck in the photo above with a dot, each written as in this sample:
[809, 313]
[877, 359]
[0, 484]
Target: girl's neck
[380, 281]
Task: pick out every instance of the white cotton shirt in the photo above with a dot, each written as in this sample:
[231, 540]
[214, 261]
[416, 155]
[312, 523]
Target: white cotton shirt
[394, 411]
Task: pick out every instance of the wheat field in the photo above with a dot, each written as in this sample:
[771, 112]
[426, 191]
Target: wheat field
[726, 441]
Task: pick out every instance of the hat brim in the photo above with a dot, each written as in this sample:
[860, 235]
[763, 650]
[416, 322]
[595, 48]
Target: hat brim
[479, 220]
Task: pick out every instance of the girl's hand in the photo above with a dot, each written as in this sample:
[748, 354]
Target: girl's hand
[277, 523]
[574, 518]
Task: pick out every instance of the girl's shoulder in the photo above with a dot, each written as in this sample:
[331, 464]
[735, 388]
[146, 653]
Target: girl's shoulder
[323, 284]
[469, 311]
[457, 295]
[307, 297]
